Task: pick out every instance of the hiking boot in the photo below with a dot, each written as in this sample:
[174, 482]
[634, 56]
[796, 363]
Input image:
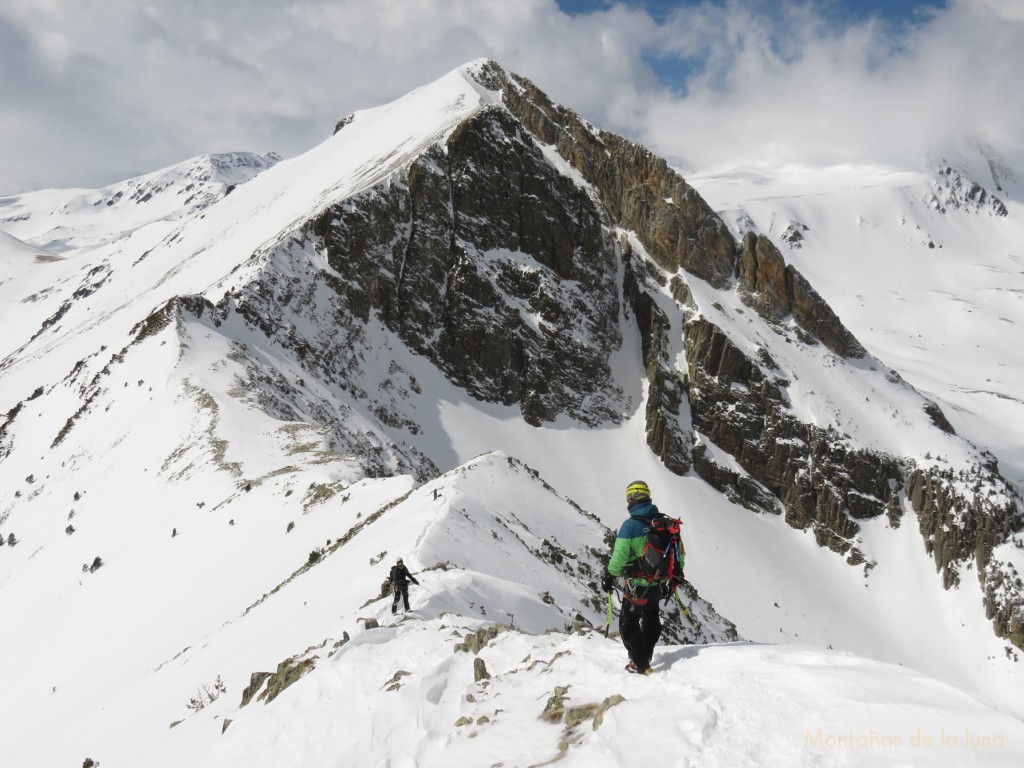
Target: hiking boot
[633, 668]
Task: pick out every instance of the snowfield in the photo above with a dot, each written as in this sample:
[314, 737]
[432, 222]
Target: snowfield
[565, 697]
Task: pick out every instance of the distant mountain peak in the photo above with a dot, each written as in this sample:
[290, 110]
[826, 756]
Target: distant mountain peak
[972, 176]
[61, 220]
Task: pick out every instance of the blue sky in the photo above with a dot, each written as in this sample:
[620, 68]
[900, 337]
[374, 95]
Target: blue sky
[672, 71]
[91, 94]
[896, 11]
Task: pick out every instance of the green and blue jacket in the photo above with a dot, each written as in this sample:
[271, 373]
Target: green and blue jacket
[630, 541]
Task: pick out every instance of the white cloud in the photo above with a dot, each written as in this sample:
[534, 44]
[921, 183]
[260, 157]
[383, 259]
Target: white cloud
[1011, 10]
[107, 91]
[787, 88]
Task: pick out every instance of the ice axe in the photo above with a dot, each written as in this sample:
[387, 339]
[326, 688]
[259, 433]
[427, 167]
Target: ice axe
[607, 616]
[682, 608]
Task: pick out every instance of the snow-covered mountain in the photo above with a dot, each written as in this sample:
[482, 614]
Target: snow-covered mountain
[454, 332]
[922, 265]
[61, 219]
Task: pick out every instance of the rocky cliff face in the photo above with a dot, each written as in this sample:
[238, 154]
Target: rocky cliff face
[484, 258]
[520, 251]
[637, 189]
[814, 475]
[962, 523]
[778, 291]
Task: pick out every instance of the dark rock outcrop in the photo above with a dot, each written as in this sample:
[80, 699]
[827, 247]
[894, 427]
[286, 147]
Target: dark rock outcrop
[270, 685]
[638, 189]
[777, 290]
[814, 474]
[666, 395]
[492, 264]
[962, 519]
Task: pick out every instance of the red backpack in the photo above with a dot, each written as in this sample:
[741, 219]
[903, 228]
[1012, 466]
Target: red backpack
[661, 557]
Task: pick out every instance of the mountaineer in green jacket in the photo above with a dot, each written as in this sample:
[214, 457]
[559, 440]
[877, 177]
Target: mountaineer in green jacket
[640, 620]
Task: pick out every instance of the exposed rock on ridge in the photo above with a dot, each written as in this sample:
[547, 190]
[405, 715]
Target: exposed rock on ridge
[489, 262]
[776, 290]
[958, 529]
[638, 189]
[816, 476]
[668, 436]
[954, 191]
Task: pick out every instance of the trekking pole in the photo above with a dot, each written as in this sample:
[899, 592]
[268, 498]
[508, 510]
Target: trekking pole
[441, 599]
[512, 616]
[682, 608]
[608, 615]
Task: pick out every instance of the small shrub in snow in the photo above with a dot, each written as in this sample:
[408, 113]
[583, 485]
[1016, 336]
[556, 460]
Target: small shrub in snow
[289, 528]
[314, 556]
[90, 763]
[207, 695]
[12, 540]
[69, 530]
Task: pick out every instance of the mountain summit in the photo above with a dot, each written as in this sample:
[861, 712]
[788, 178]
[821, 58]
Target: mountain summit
[453, 332]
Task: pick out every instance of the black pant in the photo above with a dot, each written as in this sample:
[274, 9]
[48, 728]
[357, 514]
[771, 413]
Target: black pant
[640, 624]
[401, 591]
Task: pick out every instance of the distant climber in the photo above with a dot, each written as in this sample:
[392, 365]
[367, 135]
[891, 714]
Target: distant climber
[400, 578]
[650, 558]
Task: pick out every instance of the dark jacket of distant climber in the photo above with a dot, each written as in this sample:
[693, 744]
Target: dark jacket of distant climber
[400, 578]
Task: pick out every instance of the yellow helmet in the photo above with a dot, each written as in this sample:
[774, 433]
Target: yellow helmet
[637, 491]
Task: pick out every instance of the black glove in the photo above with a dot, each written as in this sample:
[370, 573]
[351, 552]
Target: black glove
[607, 582]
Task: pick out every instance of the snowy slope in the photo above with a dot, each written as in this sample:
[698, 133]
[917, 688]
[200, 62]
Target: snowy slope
[158, 632]
[17, 255]
[717, 704]
[58, 220]
[242, 511]
[936, 294]
[557, 697]
[164, 257]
